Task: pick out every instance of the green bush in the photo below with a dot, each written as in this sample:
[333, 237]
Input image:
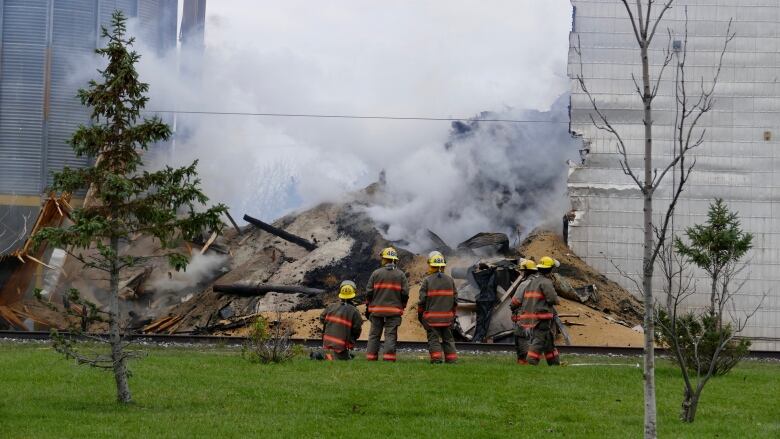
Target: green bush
[269, 343]
[698, 336]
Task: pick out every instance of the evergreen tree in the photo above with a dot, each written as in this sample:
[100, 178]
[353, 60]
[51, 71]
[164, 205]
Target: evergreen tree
[128, 200]
[714, 247]
[702, 344]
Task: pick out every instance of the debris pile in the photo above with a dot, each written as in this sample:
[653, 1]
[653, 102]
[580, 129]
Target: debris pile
[290, 270]
[22, 268]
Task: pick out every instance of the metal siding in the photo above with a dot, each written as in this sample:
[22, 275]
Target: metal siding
[21, 95]
[73, 40]
[736, 163]
[148, 18]
[107, 7]
[157, 20]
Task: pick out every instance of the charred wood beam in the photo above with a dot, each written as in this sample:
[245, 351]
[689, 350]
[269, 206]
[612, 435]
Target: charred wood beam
[440, 244]
[257, 290]
[308, 245]
[232, 221]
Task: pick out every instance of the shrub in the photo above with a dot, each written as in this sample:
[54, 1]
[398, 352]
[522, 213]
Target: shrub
[698, 336]
[269, 342]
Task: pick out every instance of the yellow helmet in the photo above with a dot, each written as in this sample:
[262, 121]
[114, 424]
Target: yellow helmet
[527, 264]
[389, 253]
[547, 262]
[347, 290]
[436, 259]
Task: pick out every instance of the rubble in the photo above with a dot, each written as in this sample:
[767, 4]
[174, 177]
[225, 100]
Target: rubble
[612, 299]
[270, 270]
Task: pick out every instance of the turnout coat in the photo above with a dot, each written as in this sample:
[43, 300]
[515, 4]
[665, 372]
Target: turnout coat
[342, 326]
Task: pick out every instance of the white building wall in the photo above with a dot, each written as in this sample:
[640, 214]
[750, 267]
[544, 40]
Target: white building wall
[735, 163]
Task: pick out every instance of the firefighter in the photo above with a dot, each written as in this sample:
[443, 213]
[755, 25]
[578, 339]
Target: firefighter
[342, 324]
[387, 294]
[522, 335]
[536, 313]
[436, 309]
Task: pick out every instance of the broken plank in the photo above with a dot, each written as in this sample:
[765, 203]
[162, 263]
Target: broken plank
[211, 240]
[10, 316]
[169, 323]
[36, 260]
[156, 324]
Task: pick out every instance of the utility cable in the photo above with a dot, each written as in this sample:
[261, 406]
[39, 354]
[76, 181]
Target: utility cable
[350, 116]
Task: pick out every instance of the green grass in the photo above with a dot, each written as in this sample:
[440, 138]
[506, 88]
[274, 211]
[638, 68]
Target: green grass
[212, 392]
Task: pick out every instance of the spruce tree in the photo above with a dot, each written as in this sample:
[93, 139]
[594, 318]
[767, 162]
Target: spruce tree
[127, 199]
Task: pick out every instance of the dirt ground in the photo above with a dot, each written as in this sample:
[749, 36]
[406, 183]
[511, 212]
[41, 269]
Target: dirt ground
[590, 328]
[609, 325]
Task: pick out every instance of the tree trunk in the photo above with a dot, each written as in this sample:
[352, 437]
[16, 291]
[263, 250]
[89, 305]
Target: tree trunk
[714, 308]
[115, 339]
[647, 262]
[689, 405]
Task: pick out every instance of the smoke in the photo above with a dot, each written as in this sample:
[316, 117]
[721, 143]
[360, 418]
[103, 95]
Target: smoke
[201, 269]
[489, 176]
[348, 57]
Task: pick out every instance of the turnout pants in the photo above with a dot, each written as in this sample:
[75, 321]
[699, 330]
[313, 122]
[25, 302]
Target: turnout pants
[439, 338]
[521, 346]
[542, 345]
[390, 326]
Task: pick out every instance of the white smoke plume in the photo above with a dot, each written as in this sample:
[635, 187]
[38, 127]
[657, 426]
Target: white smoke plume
[452, 59]
[489, 177]
[201, 268]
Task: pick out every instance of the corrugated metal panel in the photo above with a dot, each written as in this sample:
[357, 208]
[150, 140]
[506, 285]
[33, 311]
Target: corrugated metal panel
[107, 7]
[157, 19]
[42, 44]
[149, 21]
[169, 10]
[21, 95]
[736, 163]
[73, 38]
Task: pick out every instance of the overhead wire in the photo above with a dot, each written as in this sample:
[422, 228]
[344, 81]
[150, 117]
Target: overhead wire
[352, 116]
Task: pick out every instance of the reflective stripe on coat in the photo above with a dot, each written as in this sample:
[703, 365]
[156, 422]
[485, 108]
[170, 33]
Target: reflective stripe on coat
[387, 291]
[536, 299]
[342, 325]
[438, 298]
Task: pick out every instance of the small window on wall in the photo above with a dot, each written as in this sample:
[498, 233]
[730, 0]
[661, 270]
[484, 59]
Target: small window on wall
[767, 136]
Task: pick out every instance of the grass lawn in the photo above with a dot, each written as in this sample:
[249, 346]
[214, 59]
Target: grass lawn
[213, 392]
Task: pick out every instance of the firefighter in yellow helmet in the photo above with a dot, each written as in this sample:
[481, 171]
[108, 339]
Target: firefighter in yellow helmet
[522, 336]
[436, 310]
[342, 324]
[536, 313]
[387, 294]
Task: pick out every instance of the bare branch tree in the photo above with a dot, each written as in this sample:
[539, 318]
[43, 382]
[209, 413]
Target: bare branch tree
[687, 136]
